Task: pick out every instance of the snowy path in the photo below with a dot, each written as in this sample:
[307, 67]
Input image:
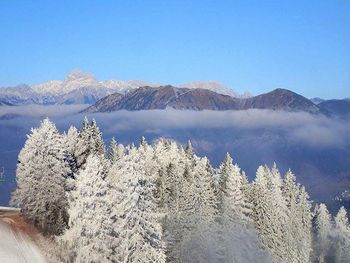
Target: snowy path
[16, 247]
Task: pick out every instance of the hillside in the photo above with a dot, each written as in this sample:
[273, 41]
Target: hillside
[147, 98]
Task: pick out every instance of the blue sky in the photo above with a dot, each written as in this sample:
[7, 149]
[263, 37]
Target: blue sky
[247, 45]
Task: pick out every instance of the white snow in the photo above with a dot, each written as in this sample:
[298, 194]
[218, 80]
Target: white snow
[9, 209]
[216, 87]
[16, 248]
[78, 79]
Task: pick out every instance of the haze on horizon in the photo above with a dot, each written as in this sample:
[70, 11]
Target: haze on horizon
[246, 45]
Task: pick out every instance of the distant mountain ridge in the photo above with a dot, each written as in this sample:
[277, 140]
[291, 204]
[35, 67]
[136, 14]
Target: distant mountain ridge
[337, 108]
[216, 87]
[77, 88]
[147, 98]
[109, 95]
[83, 88]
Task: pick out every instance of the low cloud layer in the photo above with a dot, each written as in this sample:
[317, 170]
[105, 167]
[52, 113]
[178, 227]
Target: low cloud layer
[300, 127]
[315, 147]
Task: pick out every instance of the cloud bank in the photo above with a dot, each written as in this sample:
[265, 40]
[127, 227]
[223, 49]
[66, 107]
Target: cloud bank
[315, 147]
[297, 127]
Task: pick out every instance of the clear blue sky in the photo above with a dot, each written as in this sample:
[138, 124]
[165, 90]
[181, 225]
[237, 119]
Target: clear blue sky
[247, 45]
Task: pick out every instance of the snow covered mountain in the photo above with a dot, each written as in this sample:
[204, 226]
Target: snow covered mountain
[83, 88]
[77, 80]
[77, 88]
[216, 87]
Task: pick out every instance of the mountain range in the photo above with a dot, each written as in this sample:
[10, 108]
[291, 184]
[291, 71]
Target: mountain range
[148, 98]
[83, 88]
[77, 88]
[111, 95]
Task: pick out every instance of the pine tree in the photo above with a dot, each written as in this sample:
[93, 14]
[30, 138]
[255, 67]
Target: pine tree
[143, 141]
[41, 179]
[139, 229]
[70, 141]
[323, 228]
[89, 142]
[90, 232]
[189, 149]
[305, 215]
[201, 206]
[298, 225]
[234, 206]
[279, 211]
[342, 233]
[116, 151]
[267, 212]
[96, 141]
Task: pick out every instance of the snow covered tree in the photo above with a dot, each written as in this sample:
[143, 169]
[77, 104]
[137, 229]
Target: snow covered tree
[90, 233]
[233, 204]
[71, 139]
[201, 206]
[323, 227]
[41, 177]
[143, 141]
[189, 149]
[342, 237]
[173, 183]
[116, 151]
[305, 216]
[96, 141]
[298, 225]
[138, 226]
[279, 211]
[89, 142]
[268, 211]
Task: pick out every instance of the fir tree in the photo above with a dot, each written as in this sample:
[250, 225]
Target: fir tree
[234, 206]
[116, 151]
[267, 211]
[323, 228]
[90, 233]
[41, 179]
[342, 239]
[139, 229]
[298, 227]
[89, 142]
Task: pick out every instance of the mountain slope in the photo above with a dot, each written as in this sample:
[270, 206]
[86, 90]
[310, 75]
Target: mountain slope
[336, 108]
[77, 88]
[281, 99]
[147, 98]
[214, 86]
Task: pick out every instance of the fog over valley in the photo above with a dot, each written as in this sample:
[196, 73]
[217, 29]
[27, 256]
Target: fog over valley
[315, 147]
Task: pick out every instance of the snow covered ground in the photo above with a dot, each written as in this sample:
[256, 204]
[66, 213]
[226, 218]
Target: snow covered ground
[16, 248]
[8, 209]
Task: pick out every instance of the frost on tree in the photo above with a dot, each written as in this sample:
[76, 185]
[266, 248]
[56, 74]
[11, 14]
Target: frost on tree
[269, 210]
[162, 203]
[138, 227]
[298, 226]
[90, 234]
[233, 204]
[201, 206]
[342, 237]
[41, 175]
[89, 142]
[116, 151]
[323, 228]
